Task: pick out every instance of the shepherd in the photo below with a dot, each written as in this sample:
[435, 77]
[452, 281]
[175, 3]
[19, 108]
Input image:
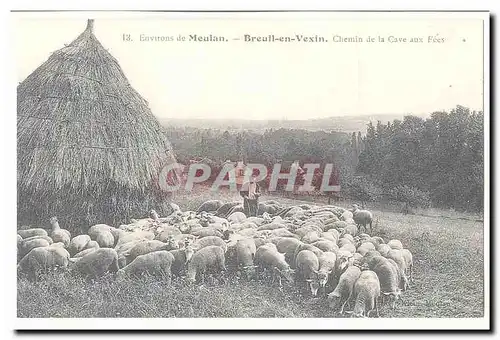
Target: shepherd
[251, 197]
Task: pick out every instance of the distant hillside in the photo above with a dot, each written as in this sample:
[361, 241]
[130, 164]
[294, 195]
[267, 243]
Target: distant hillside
[342, 123]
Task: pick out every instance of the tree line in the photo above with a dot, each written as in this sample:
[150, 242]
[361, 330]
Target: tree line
[417, 161]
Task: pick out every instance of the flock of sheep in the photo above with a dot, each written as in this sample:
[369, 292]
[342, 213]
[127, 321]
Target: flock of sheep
[320, 248]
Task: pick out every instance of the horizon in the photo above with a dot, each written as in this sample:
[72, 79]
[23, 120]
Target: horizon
[256, 81]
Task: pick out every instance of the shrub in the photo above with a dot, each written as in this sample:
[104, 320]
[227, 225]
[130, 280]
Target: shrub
[411, 197]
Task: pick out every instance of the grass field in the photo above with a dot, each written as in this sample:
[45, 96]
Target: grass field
[448, 272]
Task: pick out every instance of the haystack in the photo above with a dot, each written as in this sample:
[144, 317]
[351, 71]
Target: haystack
[89, 148]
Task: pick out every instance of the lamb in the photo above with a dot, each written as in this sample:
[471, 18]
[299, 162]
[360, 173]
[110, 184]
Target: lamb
[42, 259]
[32, 232]
[343, 292]
[365, 248]
[366, 293]
[210, 206]
[96, 263]
[156, 263]
[395, 244]
[210, 258]
[362, 218]
[181, 259]
[245, 254]
[267, 257]
[78, 243]
[307, 264]
[327, 262]
[210, 241]
[389, 279]
[58, 234]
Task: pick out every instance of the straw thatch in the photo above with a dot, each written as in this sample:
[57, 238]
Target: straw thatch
[89, 148]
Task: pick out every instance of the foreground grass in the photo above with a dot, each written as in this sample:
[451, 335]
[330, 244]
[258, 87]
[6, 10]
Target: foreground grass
[448, 273]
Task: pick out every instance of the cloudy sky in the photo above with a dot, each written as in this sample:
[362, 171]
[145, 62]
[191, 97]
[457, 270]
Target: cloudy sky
[238, 79]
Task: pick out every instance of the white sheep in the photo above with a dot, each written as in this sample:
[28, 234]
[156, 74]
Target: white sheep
[42, 259]
[84, 252]
[245, 254]
[57, 234]
[327, 262]
[29, 244]
[46, 238]
[267, 257]
[365, 248]
[388, 275]
[362, 218]
[156, 263]
[96, 263]
[210, 241]
[343, 292]
[395, 244]
[145, 247]
[208, 259]
[326, 245]
[181, 259]
[139, 235]
[32, 232]
[383, 249]
[366, 293]
[307, 265]
[105, 239]
[78, 243]
[236, 217]
[348, 247]
[287, 246]
[409, 263]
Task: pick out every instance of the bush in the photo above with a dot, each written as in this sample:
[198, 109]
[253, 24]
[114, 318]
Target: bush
[362, 189]
[411, 197]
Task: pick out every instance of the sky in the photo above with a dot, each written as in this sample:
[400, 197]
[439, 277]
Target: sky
[238, 79]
